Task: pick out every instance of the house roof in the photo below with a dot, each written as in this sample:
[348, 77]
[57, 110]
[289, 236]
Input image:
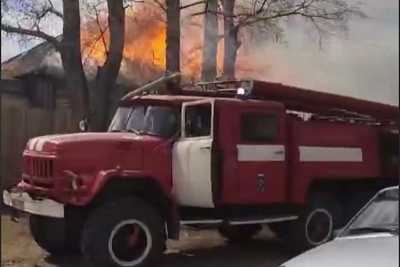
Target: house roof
[42, 58]
[45, 59]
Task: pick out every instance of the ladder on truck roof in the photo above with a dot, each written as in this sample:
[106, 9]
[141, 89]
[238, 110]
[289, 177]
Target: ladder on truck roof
[321, 104]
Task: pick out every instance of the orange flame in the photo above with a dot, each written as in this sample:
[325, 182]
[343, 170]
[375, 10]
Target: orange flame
[145, 45]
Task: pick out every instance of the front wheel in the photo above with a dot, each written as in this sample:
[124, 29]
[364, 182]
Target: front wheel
[56, 236]
[127, 232]
[48, 233]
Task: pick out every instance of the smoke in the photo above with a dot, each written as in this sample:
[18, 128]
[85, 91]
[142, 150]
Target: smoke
[362, 62]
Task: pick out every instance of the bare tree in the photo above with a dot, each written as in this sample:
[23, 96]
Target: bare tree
[108, 73]
[322, 14]
[231, 41]
[69, 46]
[173, 9]
[71, 56]
[210, 41]
[173, 40]
[70, 49]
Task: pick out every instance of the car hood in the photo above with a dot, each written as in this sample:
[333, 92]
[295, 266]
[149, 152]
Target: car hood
[374, 250]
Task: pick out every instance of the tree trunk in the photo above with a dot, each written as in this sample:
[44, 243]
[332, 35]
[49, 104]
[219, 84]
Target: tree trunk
[210, 42]
[231, 42]
[173, 41]
[75, 79]
[107, 74]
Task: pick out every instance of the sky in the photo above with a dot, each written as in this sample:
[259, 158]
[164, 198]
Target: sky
[362, 63]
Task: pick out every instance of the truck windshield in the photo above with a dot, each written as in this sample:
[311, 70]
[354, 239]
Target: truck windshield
[380, 215]
[145, 119]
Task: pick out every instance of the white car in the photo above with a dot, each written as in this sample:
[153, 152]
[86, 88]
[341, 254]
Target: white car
[370, 239]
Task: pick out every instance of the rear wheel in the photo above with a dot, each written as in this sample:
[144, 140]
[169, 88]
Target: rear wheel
[315, 226]
[127, 232]
[239, 233]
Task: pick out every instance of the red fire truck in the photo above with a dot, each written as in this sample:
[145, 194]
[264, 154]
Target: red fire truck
[243, 154]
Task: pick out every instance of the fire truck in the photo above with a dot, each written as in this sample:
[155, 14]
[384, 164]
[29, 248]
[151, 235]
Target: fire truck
[232, 155]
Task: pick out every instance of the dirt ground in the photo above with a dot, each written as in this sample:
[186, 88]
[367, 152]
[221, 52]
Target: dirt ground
[203, 248]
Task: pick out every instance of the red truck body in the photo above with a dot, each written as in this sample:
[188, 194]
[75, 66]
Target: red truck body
[107, 155]
[273, 150]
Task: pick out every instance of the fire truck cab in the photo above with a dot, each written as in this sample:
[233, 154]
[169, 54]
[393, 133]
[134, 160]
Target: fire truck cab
[234, 158]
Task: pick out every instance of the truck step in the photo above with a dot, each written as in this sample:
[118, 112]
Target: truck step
[241, 221]
[202, 221]
[244, 221]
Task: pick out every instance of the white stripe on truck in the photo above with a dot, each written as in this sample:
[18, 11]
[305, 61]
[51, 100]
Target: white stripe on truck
[261, 152]
[330, 154]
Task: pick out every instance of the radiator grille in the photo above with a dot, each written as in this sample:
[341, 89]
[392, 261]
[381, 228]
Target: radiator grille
[38, 171]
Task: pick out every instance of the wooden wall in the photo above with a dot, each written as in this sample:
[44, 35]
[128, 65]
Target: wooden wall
[20, 121]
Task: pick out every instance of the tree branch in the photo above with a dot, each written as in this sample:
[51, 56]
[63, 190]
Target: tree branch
[101, 30]
[302, 9]
[35, 33]
[160, 5]
[319, 31]
[53, 10]
[194, 4]
[262, 7]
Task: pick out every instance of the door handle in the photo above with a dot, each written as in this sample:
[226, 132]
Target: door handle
[280, 152]
[205, 147]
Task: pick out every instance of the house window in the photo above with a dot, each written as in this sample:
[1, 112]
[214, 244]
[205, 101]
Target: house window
[259, 128]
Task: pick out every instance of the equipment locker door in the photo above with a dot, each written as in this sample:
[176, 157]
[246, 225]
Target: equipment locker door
[261, 156]
[192, 156]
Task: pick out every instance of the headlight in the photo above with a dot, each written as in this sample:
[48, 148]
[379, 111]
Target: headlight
[76, 180]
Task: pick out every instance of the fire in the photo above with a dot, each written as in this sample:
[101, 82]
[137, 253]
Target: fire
[144, 38]
[145, 35]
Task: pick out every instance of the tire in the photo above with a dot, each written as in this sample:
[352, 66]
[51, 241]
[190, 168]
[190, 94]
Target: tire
[48, 233]
[55, 235]
[315, 226]
[239, 233]
[104, 238]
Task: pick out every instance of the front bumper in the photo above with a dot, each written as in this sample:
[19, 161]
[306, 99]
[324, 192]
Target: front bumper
[23, 202]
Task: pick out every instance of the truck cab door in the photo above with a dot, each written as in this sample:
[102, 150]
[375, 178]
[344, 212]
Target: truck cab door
[191, 156]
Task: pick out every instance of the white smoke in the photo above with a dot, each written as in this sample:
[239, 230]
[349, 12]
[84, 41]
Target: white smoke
[362, 63]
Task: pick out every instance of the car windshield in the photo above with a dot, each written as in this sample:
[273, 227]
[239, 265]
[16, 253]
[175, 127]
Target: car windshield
[146, 119]
[380, 215]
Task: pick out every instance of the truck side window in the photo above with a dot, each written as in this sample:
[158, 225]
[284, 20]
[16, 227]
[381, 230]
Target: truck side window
[259, 127]
[198, 120]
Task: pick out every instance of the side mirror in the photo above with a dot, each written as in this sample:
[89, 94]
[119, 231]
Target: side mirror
[83, 125]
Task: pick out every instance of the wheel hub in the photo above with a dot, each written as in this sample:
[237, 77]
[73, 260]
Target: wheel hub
[129, 243]
[319, 227]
